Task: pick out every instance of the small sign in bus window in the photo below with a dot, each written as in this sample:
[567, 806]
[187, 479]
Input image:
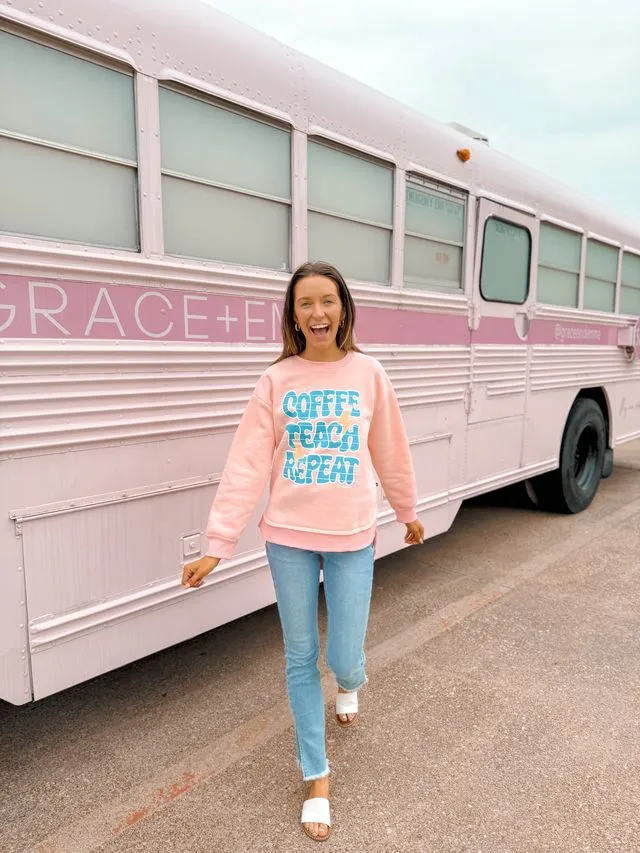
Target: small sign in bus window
[434, 202]
[511, 231]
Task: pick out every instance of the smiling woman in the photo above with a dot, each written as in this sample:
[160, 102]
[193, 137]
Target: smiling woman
[318, 320]
[319, 315]
[322, 394]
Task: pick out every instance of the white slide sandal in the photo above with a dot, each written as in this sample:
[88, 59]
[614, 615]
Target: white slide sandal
[316, 810]
[346, 703]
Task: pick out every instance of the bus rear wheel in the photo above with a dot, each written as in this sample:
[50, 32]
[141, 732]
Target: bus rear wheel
[572, 486]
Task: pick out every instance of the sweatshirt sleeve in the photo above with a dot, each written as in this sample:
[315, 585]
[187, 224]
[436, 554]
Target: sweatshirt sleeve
[390, 452]
[244, 477]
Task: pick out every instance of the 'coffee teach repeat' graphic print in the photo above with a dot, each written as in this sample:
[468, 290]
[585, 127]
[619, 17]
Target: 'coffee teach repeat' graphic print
[323, 437]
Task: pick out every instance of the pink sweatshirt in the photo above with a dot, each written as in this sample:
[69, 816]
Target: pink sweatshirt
[318, 430]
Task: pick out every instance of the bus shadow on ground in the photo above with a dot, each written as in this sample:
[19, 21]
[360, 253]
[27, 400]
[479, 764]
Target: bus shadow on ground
[515, 496]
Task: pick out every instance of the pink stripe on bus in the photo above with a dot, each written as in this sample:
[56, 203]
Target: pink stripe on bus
[41, 308]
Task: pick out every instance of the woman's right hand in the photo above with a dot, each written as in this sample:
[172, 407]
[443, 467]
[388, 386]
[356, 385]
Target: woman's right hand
[194, 573]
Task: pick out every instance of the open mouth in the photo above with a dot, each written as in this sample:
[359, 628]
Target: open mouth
[319, 330]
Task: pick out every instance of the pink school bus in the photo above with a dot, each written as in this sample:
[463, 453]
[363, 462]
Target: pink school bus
[162, 170]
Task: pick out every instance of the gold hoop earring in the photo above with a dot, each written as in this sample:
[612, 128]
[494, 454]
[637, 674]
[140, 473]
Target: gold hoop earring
[296, 327]
[341, 323]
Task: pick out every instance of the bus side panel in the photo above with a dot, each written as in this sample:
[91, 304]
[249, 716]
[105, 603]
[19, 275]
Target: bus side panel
[625, 406]
[132, 629]
[112, 455]
[15, 676]
[558, 373]
[118, 559]
[432, 385]
[94, 650]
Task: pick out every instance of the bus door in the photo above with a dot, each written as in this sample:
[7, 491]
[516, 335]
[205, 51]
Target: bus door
[505, 244]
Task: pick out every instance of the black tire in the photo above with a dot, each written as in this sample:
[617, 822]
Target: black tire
[572, 486]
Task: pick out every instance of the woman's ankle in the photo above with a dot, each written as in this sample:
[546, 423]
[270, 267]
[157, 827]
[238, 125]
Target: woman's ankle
[319, 787]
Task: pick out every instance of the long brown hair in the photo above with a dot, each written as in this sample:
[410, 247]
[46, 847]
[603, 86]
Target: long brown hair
[293, 340]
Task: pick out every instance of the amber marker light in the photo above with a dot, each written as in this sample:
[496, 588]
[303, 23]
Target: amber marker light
[464, 154]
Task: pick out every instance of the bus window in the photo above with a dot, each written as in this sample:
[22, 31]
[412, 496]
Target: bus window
[630, 289]
[601, 275]
[226, 183]
[68, 160]
[350, 213]
[506, 260]
[559, 266]
[434, 238]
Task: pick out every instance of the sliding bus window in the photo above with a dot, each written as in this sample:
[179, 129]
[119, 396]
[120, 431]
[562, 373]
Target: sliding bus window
[434, 237]
[226, 183]
[601, 276]
[350, 212]
[68, 158]
[559, 266]
[630, 284]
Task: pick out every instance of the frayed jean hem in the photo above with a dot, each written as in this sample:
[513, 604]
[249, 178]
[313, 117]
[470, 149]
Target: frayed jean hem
[318, 776]
[353, 689]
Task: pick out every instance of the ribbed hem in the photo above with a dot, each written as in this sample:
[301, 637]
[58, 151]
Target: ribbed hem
[317, 541]
[221, 548]
[406, 516]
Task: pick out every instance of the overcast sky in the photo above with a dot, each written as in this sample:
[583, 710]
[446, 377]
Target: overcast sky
[555, 83]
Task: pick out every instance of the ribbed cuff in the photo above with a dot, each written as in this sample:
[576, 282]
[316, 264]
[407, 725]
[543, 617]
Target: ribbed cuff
[221, 548]
[406, 516]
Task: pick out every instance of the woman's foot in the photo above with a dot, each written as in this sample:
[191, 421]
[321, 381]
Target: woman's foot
[318, 788]
[347, 719]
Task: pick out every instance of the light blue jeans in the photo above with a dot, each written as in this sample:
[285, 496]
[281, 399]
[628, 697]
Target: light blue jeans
[348, 577]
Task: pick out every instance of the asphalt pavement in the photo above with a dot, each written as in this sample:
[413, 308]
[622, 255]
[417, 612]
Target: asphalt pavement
[501, 715]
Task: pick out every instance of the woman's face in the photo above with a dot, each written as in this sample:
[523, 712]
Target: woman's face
[318, 312]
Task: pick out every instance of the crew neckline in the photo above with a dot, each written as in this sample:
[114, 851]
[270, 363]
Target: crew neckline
[326, 365]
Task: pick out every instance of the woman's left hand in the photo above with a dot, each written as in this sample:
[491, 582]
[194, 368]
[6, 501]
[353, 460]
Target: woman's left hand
[415, 533]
